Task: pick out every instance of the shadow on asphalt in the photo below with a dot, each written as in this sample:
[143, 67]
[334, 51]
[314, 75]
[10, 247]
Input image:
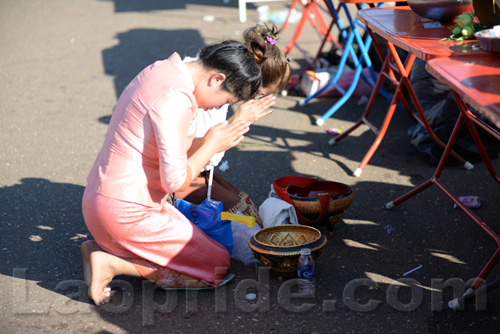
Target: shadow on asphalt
[138, 48]
[150, 5]
[45, 227]
[42, 229]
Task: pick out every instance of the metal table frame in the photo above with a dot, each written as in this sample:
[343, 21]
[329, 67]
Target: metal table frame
[455, 72]
[401, 28]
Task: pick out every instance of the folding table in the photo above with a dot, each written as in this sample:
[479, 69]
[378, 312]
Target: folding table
[360, 63]
[475, 82]
[401, 28]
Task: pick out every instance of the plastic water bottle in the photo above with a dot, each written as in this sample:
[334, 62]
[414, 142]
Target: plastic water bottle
[306, 272]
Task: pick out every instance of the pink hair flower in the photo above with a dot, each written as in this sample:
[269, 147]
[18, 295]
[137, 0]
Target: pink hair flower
[271, 40]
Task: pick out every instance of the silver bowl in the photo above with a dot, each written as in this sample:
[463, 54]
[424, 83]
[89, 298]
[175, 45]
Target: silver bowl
[440, 10]
[488, 40]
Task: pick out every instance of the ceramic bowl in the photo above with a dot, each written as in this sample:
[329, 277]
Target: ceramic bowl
[278, 247]
[306, 202]
[488, 40]
[440, 10]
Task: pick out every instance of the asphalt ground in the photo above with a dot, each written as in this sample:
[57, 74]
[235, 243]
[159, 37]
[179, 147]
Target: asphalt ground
[62, 67]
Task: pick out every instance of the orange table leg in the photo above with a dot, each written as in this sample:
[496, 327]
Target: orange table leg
[393, 63]
[385, 73]
[470, 120]
[369, 106]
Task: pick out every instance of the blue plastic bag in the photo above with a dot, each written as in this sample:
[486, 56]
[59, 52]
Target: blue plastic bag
[207, 217]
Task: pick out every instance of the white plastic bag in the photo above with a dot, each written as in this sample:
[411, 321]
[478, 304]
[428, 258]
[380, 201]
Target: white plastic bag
[241, 234]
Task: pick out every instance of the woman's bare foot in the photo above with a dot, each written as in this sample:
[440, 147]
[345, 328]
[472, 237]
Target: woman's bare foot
[86, 249]
[99, 268]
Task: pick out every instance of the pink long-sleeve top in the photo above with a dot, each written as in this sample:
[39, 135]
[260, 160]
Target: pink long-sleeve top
[144, 155]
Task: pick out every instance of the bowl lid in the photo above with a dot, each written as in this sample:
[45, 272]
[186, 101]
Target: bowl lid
[285, 251]
[287, 236]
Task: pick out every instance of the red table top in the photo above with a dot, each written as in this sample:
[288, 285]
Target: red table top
[476, 79]
[405, 29]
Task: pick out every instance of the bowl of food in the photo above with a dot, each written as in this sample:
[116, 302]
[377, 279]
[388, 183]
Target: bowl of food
[488, 40]
[306, 201]
[278, 247]
[440, 10]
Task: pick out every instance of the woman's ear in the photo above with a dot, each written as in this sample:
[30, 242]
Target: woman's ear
[217, 79]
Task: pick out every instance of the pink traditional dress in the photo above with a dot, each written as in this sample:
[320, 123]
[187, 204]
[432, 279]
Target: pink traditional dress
[143, 159]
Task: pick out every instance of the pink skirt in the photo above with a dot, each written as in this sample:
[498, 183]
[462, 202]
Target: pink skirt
[158, 240]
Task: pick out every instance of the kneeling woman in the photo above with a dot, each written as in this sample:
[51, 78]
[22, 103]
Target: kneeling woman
[145, 158]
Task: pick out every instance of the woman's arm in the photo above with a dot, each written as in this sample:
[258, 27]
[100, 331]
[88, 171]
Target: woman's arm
[197, 143]
[220, 137]
[250, 111]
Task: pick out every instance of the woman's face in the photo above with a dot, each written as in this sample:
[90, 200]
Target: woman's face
[216, 98]
[269, 90]
[213, 95]
[264, 91]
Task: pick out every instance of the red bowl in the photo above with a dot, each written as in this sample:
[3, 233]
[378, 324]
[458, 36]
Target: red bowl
[307, 204]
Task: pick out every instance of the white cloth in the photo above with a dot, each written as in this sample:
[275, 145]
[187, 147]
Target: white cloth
[207, 119]
[275, 211]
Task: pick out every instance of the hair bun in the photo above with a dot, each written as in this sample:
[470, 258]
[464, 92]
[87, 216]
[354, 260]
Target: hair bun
[260, 41]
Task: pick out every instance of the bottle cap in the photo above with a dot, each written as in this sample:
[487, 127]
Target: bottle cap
[305, 251]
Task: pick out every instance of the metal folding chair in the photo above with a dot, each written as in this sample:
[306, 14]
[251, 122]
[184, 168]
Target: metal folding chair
[359, 62]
